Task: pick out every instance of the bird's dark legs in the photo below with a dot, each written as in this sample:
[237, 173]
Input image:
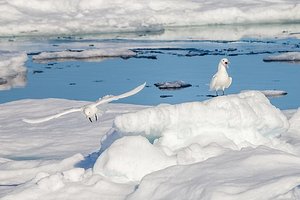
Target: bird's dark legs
[223, 92]
[96, 118]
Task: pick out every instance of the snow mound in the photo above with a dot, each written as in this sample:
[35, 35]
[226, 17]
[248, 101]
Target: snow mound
[288, 57]
[260, 173]
[12, 70]
[188, 133]
[132, 157]
[83, 54]
[172, 85]
[234, 121]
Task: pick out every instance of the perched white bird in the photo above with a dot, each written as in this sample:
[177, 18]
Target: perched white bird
[221, 80]
[89, 110]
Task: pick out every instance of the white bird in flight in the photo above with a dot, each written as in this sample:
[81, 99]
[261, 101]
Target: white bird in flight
[89, 110]
[221, 80]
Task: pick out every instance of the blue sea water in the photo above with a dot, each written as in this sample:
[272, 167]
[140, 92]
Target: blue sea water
[192, 61]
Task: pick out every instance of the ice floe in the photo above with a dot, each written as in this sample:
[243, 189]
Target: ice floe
[83, 54]
[271, 93]
[286, 57]
[228, 147]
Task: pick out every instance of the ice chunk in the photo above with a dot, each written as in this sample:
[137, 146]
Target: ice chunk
[288, 57]
[172, 85]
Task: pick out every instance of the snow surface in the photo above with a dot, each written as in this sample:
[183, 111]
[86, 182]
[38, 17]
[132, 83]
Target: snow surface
[44, 17]
[230, 147]
[12, 70]
[289, 57]
[83, 54]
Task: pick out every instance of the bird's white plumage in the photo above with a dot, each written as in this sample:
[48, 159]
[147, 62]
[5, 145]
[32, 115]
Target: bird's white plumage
[221, 80]
[44, 119]
[109, 98]
[89, 110]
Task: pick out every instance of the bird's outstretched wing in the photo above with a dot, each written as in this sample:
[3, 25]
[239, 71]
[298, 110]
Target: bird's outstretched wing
[109, 98]
[44, 119]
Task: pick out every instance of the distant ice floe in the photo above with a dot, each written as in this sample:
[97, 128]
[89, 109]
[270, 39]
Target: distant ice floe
[271, 93]
[89, 54]
[50, 17]
[12, 70]
[284, 57]
[172, 85]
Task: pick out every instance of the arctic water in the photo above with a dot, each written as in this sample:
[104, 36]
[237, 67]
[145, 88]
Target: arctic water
[191, 61]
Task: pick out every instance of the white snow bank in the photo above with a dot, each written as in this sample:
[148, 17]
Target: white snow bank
[82, 16]
[234, 121]
[260, 173]
[83, 54]
[170, 85]
[40, 156]
[12, 70]
[289, 57]
[131, 158]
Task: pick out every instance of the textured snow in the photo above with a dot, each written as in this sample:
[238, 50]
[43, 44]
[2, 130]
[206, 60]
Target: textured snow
[230, 147]
[94, 16]
[12, 69]
[83, 54]
[288, 57]
[255, 174]
[122, 160]
[234, 121]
